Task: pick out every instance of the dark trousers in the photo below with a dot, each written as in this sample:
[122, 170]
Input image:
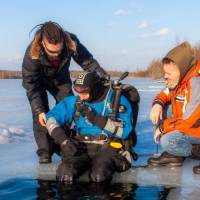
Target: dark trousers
[101, 161]
[44, 142]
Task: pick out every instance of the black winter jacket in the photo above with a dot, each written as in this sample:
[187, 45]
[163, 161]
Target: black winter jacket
[39, 76]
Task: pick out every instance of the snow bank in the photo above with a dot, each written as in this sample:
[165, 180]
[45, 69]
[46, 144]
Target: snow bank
[10, 134]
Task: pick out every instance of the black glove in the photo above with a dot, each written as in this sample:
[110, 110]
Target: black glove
[81, 107]
[68, 145]
[69, 148]
[64, 173]
[59, 135]
[92, 116]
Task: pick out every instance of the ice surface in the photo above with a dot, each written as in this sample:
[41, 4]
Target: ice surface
[17, 146]
[168, 176]
[10, 134]
[18, 160]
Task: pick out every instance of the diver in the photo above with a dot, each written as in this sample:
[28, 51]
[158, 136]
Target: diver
[99, 142]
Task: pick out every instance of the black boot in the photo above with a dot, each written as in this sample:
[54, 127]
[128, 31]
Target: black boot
[195, 153]
[44, 158]
[196, 169]
[166, 159]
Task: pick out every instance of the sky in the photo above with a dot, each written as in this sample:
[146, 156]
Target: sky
[121, 34]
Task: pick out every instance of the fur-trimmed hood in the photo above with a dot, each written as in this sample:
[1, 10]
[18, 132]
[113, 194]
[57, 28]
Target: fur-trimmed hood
[35, 48]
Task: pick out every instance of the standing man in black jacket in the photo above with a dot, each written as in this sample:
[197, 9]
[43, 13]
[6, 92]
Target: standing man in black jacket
[46, 68]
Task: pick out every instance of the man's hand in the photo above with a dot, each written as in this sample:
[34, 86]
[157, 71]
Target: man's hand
[156, 113]
[157, 135]
[42, 119]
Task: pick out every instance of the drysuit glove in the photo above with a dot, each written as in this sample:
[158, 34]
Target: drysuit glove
[69, 148]
[68, 145]
[64, 173]
[94, 118]
[81, 107]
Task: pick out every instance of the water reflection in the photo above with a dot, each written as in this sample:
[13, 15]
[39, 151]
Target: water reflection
[17, 188]
[118, 191]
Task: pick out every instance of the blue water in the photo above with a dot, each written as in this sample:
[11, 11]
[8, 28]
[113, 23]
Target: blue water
[28, 189]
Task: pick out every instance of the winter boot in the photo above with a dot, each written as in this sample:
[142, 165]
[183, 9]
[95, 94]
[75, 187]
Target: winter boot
[166, 159]
[196, 169]
[44, 158]
[195, 154]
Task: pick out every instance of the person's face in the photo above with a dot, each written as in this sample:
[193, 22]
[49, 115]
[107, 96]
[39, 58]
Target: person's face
[171, 74]
[52, 50]
[84, 96]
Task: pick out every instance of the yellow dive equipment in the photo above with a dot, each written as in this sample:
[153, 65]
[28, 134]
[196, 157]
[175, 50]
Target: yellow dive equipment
[116, 145]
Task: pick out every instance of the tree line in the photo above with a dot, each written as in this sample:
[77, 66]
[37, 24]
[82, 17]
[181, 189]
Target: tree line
[6, 74]
[154, 69]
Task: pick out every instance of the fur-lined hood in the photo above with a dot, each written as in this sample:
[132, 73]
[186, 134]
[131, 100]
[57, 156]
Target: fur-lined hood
[35, 48]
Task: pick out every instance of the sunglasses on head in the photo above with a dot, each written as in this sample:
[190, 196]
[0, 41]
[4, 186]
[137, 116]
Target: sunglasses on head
[50, 51]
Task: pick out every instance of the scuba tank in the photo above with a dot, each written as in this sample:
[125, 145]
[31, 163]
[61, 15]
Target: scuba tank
[117, 90]
[132, 96]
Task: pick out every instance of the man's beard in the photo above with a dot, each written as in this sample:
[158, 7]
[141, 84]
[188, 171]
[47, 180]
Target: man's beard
[170, 84]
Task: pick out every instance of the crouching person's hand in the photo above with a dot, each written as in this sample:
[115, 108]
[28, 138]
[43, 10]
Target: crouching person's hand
[157, 135]
[156, 113]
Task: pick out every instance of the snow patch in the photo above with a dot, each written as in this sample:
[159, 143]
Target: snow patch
[10, 134]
